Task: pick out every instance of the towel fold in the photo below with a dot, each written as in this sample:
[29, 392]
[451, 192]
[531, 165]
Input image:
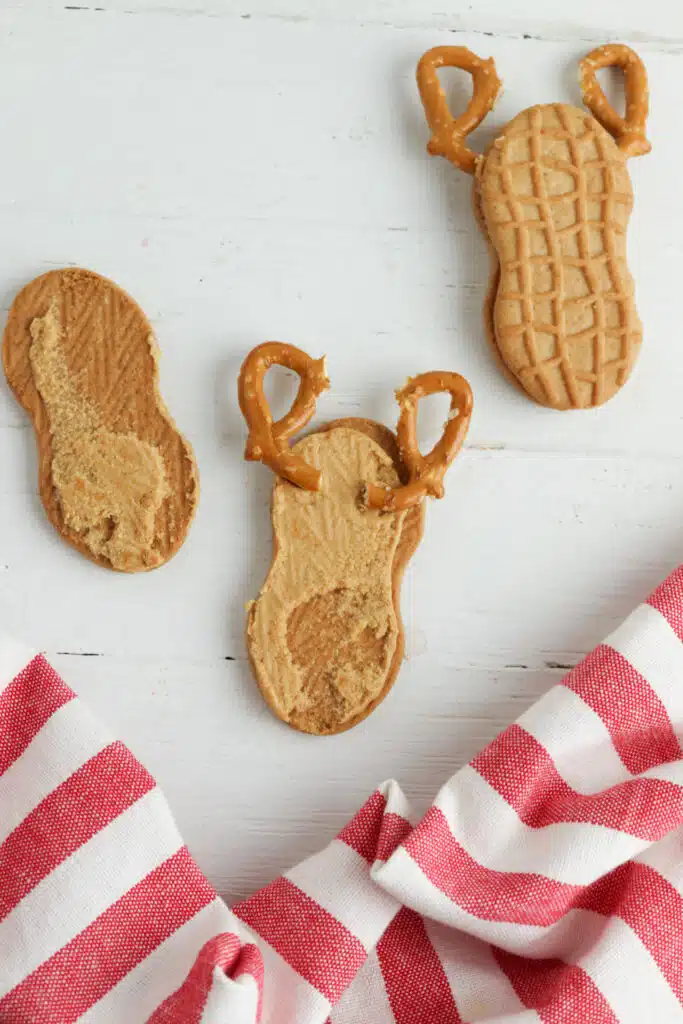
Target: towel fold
[545, 883]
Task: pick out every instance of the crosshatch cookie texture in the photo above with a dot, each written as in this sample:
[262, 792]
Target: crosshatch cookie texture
[324, 636]
[553, 196]
[556, 198]
[116, 478]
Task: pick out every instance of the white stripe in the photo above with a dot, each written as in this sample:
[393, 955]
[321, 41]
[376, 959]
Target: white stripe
[628, 977]
[69, 738]
[85, 885]
[233, 1001]
[480, 988]
[396, 802]
[365, 1000]
[666, 857]
[670, 771]
[523, 1017]
[13, 658]
[339, 881]
[155, 978]
[403, 879]
[493, 834]
[649, 643]
[576, 739]
[287, 996]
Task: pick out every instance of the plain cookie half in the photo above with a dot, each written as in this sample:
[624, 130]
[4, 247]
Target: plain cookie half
[116, 478]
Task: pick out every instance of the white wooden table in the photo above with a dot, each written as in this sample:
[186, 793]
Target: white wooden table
[259, 171]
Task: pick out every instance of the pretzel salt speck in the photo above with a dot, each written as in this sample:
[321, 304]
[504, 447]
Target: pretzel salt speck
[426, 472]
[448, 133]
[628, 131]
[268, 440]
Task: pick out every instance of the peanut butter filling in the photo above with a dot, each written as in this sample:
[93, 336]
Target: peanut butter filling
[323, 631]
[110, 486]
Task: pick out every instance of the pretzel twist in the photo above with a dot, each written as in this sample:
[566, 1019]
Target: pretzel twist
[628, 131]
[448, 133]
[267, 441]
[426, 472]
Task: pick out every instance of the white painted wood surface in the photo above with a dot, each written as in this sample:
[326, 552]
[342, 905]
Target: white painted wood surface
[259, 171]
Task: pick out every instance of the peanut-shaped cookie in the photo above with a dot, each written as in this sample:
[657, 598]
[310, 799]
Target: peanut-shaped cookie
[324, 636]
[553, 196]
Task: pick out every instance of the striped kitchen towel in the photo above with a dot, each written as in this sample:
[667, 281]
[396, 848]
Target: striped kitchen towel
[545, 883]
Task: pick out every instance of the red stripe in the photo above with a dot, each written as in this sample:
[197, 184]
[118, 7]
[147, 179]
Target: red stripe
[417, 987]
[84, 970]
[642, 898]
[668, 599]
[491, 895]
[522, 771]
[395, 830]
[306, 936]
[363, 831]
[187, 1004]
[632, 712]
[375, 833]
[558, 992]
[71, 815]
[224, 952]
[251, 962]
[26, 705]
[634, 892]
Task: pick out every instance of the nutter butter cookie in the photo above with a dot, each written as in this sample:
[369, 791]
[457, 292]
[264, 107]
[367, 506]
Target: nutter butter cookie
[116, 478]
[324, 636]
[553, 196]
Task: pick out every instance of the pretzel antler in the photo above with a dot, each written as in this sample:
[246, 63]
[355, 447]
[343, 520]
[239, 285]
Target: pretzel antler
[448, 133]
[426, 471]
[628, 131]
[267, 441]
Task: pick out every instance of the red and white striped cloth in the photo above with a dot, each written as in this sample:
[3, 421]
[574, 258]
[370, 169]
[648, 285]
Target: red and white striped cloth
[545, 883]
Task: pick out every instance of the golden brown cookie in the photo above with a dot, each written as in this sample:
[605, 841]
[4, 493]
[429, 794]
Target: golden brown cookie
[324, 636]
[116, 478]
[553, 196]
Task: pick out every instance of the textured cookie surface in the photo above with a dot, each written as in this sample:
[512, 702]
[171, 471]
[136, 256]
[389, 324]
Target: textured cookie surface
[555, 196]
[324, 636]
[115, 476]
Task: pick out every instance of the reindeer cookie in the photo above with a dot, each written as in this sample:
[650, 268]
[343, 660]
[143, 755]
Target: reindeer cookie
[116, 478]
[324, 636]
[553, 196]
